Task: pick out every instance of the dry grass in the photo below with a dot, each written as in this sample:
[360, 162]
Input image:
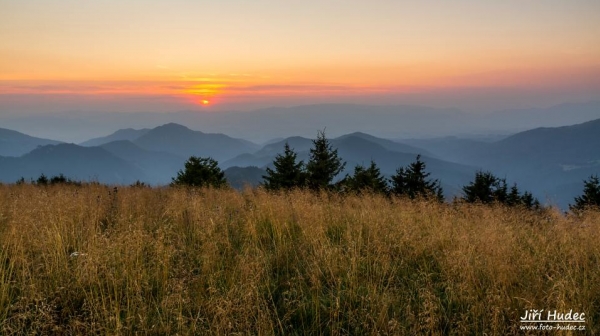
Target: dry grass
[175, 261]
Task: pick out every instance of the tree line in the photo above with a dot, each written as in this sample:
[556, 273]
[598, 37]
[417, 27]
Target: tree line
[325, 165]
[413, 181]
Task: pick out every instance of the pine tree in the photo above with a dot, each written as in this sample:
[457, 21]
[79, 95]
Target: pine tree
[487, 188]
[528, 201]
[59, 179]
[288, 173]
[42, 180]
[324, 164]
[591, 195]
[483, 189]
[514, 197]
[366, 179]
[501, 192]
[201, 172]
[398, 182]
[413, 182]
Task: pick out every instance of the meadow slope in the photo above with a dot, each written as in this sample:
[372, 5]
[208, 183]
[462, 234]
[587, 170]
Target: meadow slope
[87, 260]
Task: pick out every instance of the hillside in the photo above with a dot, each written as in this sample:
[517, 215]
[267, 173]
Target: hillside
[182, 141]
[13, 143]
[568, 145]
[452, 148]
[158, 167]
[387, 144]
[76, 162]
[122, 134]
[550, 162]
[360, 149]
[242, 177]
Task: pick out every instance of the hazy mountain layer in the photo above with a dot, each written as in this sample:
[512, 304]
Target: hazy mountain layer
[159, 167]
[392, 122]
[550, 162]
[123, 134]
[75, 162]
[182, 141]
[13, 143]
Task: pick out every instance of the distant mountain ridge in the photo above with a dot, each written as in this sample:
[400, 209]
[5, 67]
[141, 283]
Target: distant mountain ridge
[567, 144]
[13, 143]
[359, 149]
[122, 134]
[159, 167]
[76, 162]
[387, 144]
[301, 145]
[180, 140]
[550, 162]
[390, 122]
[241, 177]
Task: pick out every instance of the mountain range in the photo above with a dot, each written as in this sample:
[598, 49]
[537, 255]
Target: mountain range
[75, 162]
[259, 126]
[13, 143]
[129, 134]
[551, 162]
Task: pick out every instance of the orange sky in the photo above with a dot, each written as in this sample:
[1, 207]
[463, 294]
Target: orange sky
[235, 50]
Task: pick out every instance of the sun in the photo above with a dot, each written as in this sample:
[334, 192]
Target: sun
[205, 102]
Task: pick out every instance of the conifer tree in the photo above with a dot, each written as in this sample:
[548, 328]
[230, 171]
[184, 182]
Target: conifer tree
[483, 189]
[501, 192]
[398, 182]
[201, 172]
[487, 188]
[324, 164]
[366, 179]
[59, 179]
[413, 182]
[591, 195]
[42, 180]
[288, 173]
[514, 197]
[528, 201]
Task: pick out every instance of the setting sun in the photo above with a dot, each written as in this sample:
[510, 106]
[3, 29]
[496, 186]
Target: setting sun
[205, 102]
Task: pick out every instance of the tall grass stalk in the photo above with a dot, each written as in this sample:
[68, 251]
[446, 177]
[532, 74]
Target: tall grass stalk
[84, 259]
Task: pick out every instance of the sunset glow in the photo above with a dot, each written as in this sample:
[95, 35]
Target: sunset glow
[270, 53]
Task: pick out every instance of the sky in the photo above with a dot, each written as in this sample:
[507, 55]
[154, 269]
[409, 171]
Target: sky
[213, 55]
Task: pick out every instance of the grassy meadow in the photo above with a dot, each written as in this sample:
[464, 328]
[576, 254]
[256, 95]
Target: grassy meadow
[87, 260]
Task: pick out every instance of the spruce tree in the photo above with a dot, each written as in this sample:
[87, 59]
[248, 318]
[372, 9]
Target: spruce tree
[501, 192]
[201, 172]
[324, 164]
[413, 181]
[366, 179]
[528, 201]
[398, 182]
[42, 180]
[487, 188]
[591, 195]
[514, 197]
[59, 179]
[483, 189]
[288, 173]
